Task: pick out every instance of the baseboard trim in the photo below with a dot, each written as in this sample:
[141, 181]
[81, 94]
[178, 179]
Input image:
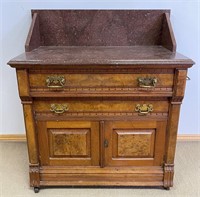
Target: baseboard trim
[22, 137]
[13, 137]
[188, 137]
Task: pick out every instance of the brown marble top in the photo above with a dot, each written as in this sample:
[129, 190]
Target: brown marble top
[100, 55]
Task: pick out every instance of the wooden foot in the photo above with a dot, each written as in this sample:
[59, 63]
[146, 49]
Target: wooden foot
[168, 175]
[36, 189]
[34, 178]
[167, 188]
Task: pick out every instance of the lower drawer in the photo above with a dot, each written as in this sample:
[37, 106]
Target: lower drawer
[60, 109]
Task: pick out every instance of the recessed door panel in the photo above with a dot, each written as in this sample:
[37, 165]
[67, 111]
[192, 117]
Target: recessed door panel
[69, 143]
[134, 143]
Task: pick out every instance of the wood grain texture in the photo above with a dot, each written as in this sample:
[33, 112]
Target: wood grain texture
[134, 143]
[172, 129]
[31, 134]
[94, 85]
[34, 174]
[23, 83]
[180, 77]
[102, 148]
[70, 143]
[158, 170]
[100, 106]
[95, 92]
[168, 175]
[107, 176]
[100, 137]
[139, 158]
[100, 80]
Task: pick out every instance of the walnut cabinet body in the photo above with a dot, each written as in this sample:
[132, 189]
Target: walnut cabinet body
[100, 115]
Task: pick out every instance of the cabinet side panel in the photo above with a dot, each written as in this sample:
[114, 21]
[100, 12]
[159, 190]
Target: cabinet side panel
[30, 133]
[23, 83]
[180, 83]
[172, 133]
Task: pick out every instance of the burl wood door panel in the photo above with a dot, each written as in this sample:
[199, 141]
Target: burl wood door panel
[68, 143]
[134, 143]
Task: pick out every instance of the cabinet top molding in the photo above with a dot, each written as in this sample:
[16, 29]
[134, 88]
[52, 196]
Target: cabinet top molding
[113, 37]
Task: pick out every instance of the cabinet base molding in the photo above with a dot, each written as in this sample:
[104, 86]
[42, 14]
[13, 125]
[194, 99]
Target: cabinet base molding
[22, 137]
[101, 183]
[108, 176]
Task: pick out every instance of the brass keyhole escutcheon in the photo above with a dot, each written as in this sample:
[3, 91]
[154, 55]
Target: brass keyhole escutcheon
[106, 143]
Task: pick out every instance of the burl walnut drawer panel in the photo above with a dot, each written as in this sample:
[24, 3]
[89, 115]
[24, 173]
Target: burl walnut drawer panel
[61, 109]
[102, 84]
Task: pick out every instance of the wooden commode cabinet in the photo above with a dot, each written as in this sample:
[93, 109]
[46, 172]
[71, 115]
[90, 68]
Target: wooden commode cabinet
[101, 92]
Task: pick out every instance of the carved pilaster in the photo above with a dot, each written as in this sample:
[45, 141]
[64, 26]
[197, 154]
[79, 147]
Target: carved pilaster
[168, 175]
[34, 173]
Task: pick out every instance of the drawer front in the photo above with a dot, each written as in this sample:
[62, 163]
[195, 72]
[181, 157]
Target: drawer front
[60, 109]
[103, 84]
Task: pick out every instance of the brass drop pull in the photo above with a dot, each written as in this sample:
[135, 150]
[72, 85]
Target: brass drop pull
[144, 109]
[55, 81]
[59, 108]
[147, 82]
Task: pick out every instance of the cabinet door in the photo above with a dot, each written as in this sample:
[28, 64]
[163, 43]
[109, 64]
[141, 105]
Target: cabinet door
[68, 143]
[135, 143]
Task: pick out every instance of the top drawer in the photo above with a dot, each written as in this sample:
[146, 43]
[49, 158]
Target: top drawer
[61, 84]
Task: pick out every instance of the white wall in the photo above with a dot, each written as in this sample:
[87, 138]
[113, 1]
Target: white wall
[16, 19]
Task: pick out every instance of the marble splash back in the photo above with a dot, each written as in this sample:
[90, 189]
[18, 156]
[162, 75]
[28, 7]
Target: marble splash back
[100, 27]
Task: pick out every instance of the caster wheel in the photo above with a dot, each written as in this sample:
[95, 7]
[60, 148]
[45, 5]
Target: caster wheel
[167, 188]
[36, 189]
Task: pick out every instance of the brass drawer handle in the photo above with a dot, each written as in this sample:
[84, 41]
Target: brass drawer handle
[144, 109]
[147, 82]
[59, 108]
[55, 81]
